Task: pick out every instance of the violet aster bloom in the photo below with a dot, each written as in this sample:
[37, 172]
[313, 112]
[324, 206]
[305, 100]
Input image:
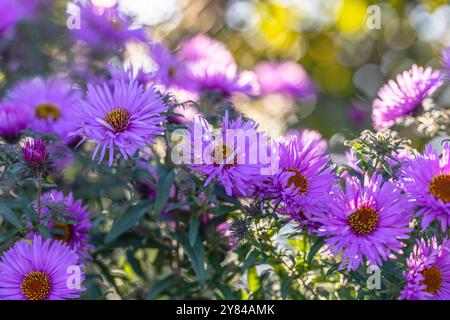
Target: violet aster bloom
[398, 99]
[284, 77]
[38, 270]
[428, 275]
[427, 182]
[74, 234]
[302, 185]
[105, 27]
[446, 63]
[131, 73]
[50, 101]
[34, 152]
[13, 120]
[170, 70]
[220, 156]
[366, 220]
[126, 117]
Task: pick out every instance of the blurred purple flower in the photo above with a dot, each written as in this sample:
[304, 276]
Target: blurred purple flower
[398, 99]
[38, 270]
[126, 116]
[170, 70]
[213, 69]
[427, 182]
[366, 220]
[284, 77]
[13, 12]
[428, 275]
[34, 152]
[13, 120]
[50, 101]
[106, 28]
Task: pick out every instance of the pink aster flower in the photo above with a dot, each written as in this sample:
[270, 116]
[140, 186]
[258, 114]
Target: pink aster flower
[302, 185]
[366, 220]
[403, 97]
[427, 182]
[428, 275]
[221, 156]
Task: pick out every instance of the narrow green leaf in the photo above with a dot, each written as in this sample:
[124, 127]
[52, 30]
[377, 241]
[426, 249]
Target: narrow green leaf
[128, 219]
[194, 225]
[160, 286]
[314, 249]
[10, 216]
[165, 182]
[250, 259]
[195, 254]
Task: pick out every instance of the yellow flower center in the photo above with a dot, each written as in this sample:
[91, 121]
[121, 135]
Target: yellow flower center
[63, 232]
[363, 221]
[440, 187]
[48, 111]
[298, 180]
[36, 286]
[222, 153]
[432, 279]
[118, 118]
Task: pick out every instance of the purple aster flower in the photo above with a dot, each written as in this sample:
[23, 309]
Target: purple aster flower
[50, 101]
[170, 70]
[75, 232]
[34, 152]
[366, 220]
[13, 120]
[446, 63]
[106, 28]
[398, 99]
[427, 182]
[126, 117]
[284, 77]
[221, 156]
[302, 185]
[428, 277]
[39, 270]
[212, 68]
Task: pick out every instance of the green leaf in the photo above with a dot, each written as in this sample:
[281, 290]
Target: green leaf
[194, 225]
[165, 182]
[250, 259]
[195, 254]
[10, 216]
[253, 280]
[128, 219]
[314, 249]
[285, 284]
[160, 286]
